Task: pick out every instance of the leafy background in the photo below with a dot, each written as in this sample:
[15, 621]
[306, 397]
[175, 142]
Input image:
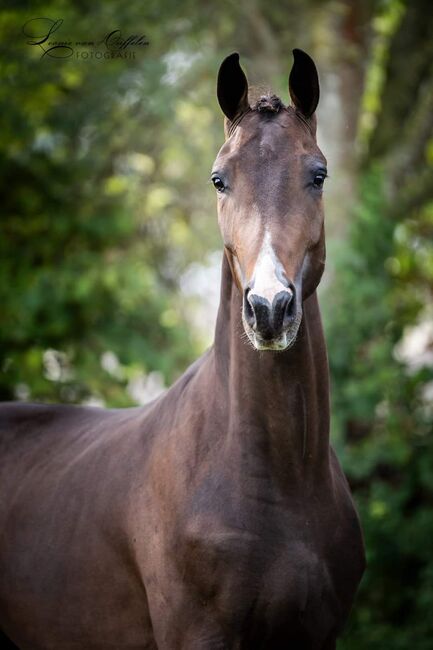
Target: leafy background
[109, 248]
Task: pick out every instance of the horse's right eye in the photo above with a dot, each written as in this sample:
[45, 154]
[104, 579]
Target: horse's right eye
[218, 183]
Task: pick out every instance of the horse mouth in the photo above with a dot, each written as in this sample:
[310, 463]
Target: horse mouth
[279, 343]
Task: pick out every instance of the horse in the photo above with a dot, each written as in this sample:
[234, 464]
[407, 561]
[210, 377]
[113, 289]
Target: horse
[217, 516]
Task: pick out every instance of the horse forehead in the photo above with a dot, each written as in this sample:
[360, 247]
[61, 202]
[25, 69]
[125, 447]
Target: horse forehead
[276, 137]
[270, 140]
[270, 157]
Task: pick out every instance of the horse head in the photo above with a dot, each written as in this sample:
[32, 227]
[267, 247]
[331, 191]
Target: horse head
[269, 176]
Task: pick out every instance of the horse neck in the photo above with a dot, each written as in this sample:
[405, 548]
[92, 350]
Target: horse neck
[276, 403]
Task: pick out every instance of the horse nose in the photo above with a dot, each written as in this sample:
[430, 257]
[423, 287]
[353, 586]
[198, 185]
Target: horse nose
[266, 319]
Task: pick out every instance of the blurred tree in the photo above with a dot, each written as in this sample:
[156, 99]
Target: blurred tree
[98, 221]
[379, 331]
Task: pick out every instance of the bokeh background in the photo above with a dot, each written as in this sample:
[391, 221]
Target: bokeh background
[110, 252]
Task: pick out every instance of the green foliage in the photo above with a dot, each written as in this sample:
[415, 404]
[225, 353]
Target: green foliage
[98, 222]
[382, 427]
[378, 318]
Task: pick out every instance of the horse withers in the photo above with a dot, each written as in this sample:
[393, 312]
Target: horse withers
[216, 517]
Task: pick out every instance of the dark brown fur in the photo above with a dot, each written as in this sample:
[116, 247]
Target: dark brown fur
[217, 517]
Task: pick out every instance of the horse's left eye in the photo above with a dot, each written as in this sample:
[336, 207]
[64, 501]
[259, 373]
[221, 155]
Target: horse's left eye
[218, 183]
[319, 179]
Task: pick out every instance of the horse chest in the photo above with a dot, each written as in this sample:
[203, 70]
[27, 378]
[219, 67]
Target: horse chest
[270, 575]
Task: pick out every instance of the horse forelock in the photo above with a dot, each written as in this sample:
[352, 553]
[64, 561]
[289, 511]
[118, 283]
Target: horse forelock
[263, 103]
[268, 103]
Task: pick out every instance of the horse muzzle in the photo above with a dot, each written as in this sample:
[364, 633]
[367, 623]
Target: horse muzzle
[271, 326]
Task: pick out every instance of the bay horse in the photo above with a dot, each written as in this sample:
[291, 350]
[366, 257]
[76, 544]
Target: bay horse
[216, 517]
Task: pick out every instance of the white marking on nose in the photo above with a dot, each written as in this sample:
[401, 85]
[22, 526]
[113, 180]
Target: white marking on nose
[265, 279]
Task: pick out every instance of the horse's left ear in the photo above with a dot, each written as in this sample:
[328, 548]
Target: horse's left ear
[304, 84]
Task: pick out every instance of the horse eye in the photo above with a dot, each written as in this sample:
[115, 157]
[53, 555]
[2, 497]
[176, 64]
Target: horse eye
[319, 179]
[218, 183]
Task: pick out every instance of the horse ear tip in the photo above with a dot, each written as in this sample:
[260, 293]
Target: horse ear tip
[234, 56]
[300, 54]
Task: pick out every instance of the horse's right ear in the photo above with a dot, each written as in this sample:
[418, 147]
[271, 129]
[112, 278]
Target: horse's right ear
[232, 87]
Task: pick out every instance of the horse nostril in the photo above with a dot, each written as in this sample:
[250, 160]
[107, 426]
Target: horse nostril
[260, 313]
[249, 310]
[284, 309]
[290, 312]
[290, 308]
